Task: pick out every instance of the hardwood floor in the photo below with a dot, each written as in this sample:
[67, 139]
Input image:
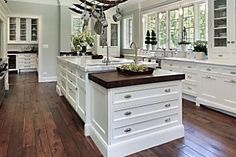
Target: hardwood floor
[36, 122]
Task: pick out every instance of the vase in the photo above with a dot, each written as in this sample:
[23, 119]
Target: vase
[200, 55]
[147, 47]
[154, 47]
[183, 47]
[84, 49]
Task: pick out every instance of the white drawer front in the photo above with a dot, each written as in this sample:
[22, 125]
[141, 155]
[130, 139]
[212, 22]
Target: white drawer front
[63, 83]
[189, 66]
[209, 69]
[229, 71]
[71, 69]
[134, 95]
[191, 77]
[190, 89]
[81, 74]
[129, 113]
[72, 92]
[134, 130]
[71, 78]
[63, 73]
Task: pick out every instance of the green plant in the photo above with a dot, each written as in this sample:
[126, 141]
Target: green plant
[154, 38]
[200, 46]
[148, 39]
[82, 39]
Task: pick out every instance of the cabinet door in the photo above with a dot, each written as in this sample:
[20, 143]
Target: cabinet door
[209, 87]
[114, 39]
[12, 29]
[34, 30]
[23, 29]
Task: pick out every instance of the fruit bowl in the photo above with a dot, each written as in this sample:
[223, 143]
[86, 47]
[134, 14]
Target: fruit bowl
[133, 69]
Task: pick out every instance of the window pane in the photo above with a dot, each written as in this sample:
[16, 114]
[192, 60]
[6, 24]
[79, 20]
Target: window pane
[162, 30]
[188, 23]
[128, 32]
[202, 21]
[77, 25]
[174, 28]
[151, 22]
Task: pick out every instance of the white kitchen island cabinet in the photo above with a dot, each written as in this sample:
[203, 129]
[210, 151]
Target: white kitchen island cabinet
[133, 113]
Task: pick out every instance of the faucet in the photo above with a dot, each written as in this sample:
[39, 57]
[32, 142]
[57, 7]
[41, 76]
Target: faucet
[106, 60]
[135, 51]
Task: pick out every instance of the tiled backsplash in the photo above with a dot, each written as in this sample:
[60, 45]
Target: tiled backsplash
[22, 47]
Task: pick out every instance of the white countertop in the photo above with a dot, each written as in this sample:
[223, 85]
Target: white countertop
[91, 65]
[200, 61]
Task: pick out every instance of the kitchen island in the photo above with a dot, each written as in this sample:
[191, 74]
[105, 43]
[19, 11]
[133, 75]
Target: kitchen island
[74, 85]
[133, 113]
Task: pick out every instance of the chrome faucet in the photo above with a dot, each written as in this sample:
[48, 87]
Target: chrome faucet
[106, 60]
[135, 51]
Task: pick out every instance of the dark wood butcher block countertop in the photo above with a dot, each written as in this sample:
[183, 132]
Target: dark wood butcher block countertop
[113, 79]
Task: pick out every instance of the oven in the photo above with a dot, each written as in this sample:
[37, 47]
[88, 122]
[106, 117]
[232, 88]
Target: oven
[3, 73]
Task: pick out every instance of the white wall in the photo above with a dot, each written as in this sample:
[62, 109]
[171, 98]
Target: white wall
[49, 26]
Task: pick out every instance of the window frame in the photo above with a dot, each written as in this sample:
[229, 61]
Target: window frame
[194, 20]
[169, 28]
[124, 32]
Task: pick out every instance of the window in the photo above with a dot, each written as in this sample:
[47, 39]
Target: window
[77, 25]
[188, 23]
[127, 32]
[202, 21]
[151, 22]
[174, 29]
[162, 30]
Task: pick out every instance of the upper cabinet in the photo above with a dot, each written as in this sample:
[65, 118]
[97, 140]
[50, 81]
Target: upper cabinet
[23, 30]
[222, 34]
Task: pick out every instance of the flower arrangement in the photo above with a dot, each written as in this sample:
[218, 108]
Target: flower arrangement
[81, 40]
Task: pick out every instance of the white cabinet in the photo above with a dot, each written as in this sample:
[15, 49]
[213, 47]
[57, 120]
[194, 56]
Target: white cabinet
[112, 37]
[222, 34]
[23, 30]
[129, 119]
[27, 62]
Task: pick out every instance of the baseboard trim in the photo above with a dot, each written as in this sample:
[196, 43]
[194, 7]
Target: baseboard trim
[48, 79]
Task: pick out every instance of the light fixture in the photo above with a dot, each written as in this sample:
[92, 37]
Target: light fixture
[117, 16]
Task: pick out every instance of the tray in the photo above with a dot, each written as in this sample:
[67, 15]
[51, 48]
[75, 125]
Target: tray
[148, 71]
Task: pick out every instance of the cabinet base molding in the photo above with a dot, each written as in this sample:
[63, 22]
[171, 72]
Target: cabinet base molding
[137, 144]
[189, 97]
[47, 79]
[216, 106]
[58, 90]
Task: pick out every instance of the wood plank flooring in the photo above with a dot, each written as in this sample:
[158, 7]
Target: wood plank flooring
[36, 122]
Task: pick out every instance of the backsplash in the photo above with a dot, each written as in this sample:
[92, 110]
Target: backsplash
[22, 47]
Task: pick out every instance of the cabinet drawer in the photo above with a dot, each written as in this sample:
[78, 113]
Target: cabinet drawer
[144, 113]
[229, 71]
[209, 69]
[191, 77]
[63, 83]
[190, 89]
[72, 91]
[81, 74]
[220, 56]
[63, 73]
[134, 130]
[71, 69]
[71, 78]
[140, 94]
[189, 67]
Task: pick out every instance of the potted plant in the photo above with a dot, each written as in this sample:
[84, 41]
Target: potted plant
[154, 40]
[200, 49]
[80, 41]
[148, 40]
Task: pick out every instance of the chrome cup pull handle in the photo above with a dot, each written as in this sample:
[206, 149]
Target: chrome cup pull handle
[167, 90]
[127, 96]
[128, 113]
[127, 130]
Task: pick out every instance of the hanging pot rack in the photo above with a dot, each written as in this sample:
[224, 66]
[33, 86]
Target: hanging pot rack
[89, 5]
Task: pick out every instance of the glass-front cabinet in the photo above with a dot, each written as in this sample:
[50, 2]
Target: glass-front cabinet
[222, 34]
[23, 30]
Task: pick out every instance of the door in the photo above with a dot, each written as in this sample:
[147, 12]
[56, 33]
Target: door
[12, 29]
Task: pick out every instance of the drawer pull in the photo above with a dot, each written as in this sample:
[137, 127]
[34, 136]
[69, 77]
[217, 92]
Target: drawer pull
[220, 55]
[81, 76]
[171, 64]
[70, 89]
[127, 130]
[233, 73]
[231, 81]
[189, 77]
[168, 120]
[189, 67]
[189, 88]
[128, 113]
[167, 105]
[127, 96]
[167, 90]
[208, 69]
[209, 77]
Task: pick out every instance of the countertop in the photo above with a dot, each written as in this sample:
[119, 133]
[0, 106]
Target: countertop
[85, 63]
[114, 79]
[201, 61]
[20, 52]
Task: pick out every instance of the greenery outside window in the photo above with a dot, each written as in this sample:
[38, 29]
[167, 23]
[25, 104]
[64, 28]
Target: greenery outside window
[151, 22]
[188, 22]
[202, 21]
[162, 30]
[77, 25]
[174, 28]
